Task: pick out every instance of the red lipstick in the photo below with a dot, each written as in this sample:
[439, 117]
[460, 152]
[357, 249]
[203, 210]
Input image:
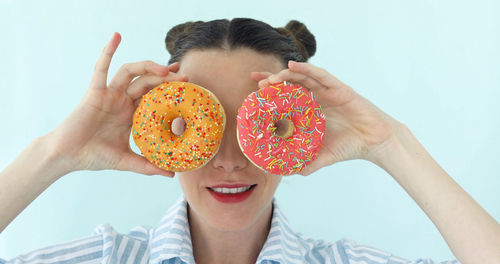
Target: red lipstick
[231, 197]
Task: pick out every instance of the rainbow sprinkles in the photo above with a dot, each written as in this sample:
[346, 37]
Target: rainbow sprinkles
[257, 124]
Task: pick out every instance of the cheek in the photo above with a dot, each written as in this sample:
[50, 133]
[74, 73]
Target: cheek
[272, 182]
[188, 182]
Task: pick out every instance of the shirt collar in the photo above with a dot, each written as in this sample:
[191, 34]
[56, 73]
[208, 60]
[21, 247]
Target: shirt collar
[172, 238]
[283, 243]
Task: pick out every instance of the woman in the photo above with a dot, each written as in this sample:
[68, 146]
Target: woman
[232, 59]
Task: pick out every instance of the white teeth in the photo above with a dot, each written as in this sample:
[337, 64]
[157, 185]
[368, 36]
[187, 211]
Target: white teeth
[231, 190]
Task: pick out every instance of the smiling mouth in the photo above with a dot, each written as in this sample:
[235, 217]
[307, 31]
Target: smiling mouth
[233, 190]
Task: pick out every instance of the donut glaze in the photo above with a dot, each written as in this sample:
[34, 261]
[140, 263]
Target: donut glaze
[204, 121]
[256, 128]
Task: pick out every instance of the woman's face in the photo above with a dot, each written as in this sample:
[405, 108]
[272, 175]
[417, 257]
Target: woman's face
[227, 75]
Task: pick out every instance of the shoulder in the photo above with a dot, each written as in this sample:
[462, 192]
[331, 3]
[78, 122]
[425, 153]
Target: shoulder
[120, 248]
[295, 246]
[104, 245]
[345, 251]
[287, 245]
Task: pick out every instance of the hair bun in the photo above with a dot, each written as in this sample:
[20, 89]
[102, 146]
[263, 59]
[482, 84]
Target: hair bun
[174, 33]
[304, 40]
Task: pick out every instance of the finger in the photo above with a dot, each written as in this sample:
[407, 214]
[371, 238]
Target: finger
[257, 76]
[174, 67]
[143, 84]
[99, 77]
[139, 164]
[129, 71]
[324, 95]
[297, 78]
[319, 74]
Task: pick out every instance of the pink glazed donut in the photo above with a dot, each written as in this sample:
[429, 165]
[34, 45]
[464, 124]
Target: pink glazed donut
[280, 128]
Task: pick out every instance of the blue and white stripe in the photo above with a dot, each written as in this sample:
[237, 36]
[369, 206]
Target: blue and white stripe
[170, 242]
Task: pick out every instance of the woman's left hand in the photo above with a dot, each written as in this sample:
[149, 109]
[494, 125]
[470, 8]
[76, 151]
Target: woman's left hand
[355, 128]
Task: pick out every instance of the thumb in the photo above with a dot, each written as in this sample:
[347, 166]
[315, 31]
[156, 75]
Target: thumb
[137, 163]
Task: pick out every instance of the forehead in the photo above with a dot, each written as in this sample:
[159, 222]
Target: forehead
[214, 67]
[227, 73]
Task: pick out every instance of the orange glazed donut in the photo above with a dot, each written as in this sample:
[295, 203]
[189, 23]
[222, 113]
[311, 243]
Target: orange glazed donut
[178, 126]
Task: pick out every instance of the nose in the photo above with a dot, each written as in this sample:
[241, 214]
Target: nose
[230, 158]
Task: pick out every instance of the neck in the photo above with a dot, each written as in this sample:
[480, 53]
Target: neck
[211, 245]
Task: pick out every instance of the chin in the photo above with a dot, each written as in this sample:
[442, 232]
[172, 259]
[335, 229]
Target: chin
[231, 221]
[228, 218]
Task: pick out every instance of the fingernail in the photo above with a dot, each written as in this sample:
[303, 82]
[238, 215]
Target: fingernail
[163, 69]
[110, 42]
[169, 175]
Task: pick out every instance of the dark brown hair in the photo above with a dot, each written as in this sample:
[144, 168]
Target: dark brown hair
[292, 42]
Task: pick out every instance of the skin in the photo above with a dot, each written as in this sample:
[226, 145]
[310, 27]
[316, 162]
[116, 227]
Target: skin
[218, 227]
[95, 136]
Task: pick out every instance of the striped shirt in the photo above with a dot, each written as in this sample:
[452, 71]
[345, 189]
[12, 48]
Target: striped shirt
[170, 242]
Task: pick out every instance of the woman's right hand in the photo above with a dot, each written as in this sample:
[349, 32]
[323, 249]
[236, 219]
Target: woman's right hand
[95, 136]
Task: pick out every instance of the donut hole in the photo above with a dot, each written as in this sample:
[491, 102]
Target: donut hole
[284, 128]
[178, 126]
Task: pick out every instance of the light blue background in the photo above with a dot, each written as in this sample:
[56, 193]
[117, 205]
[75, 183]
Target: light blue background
[433, 65]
